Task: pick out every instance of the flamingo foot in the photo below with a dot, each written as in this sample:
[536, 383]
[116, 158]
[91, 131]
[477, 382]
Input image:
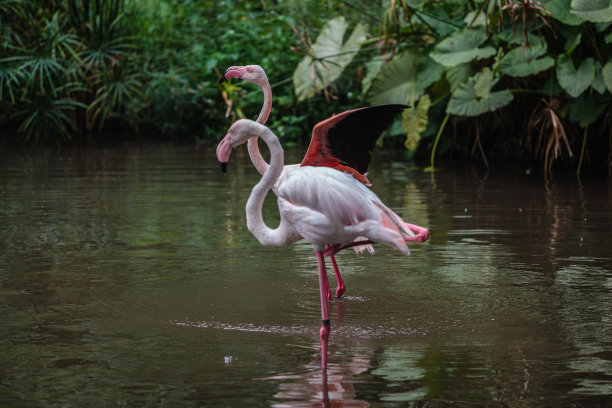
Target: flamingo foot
[340, 289]
[422, 234]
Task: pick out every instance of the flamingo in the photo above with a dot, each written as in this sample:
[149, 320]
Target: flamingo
[322, 205]
[329, 145]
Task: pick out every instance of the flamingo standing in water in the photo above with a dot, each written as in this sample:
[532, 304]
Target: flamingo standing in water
[344, 141]
[326, 207]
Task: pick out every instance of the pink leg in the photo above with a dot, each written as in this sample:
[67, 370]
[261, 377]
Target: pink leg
[340, 288]
[324, 332]
[327, 290]
[422, 234]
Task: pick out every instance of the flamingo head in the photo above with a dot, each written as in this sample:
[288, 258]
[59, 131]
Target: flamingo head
[240, 131]
[250, 73]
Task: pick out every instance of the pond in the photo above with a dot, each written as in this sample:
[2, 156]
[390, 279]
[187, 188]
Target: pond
[128, 278]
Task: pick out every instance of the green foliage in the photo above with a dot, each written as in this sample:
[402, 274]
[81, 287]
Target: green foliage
[328, 57]
[607, 75]
[575, 81]
[461, 47]
[57, 58]
[414, 123]
[524, 62]
[509, 77]
[476, 58]
[397, 81]
[561, 10]
[592, 10]
[474, 97]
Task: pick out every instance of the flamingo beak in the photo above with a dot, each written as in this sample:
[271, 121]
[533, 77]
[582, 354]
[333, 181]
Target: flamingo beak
[233, 72]
[223, 152]
[223, 167]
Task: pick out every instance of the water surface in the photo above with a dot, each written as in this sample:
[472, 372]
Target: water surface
[128, 277]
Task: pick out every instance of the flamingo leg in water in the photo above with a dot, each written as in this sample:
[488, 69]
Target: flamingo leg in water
[323, 289]
[326, 283]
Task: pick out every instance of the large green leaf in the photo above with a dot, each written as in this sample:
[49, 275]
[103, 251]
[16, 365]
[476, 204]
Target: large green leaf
[573, 41]
[484, 83]
[474, 97]
[521, 62]
[593, 10]
[607, 75]
[330, 55]
[429, 71]
[575, 81]
[373, 67]
[561, 10]
[404, 79]
[510, 36]
[461, 47]
[475, 18]
[458, 75]
[598, 83]
[414, 122]
[587, 108]
[397, 81]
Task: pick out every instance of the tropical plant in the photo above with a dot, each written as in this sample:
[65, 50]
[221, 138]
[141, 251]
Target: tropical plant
[59, 61]
[476, 58]
[511, 78]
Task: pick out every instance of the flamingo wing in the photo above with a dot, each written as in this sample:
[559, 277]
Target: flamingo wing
[326, 206]
[346, 141]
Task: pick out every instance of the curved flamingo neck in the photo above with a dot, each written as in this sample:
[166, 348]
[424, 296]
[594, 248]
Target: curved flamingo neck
[252, 146]
[267, 105]
[283, 235]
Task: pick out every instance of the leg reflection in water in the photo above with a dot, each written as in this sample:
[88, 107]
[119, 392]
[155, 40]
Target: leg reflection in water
[314, 385]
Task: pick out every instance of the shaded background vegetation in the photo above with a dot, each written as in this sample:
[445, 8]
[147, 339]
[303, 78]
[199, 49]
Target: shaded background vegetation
[488, 79]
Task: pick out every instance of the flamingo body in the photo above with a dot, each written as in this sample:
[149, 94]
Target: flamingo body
[327, 206]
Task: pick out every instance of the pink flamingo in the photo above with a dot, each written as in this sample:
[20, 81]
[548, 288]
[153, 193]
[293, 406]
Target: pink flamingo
[326, 207]
[343, 141]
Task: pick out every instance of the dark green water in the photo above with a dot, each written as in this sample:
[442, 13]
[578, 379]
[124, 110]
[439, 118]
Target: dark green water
[128, 278]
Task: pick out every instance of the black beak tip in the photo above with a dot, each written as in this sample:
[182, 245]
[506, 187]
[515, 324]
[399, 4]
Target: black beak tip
[222, 79]
[223, 167]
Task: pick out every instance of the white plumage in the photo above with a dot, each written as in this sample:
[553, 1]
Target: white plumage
[326, 206]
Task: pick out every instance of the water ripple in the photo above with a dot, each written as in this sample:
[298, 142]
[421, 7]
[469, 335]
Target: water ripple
[345, 331]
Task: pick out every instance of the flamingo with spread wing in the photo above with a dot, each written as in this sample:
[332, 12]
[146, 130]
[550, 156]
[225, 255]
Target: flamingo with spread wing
[327, 207]
[344, 141]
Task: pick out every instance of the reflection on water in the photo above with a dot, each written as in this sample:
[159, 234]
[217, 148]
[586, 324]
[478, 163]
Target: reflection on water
[128, 277]
[314, 387]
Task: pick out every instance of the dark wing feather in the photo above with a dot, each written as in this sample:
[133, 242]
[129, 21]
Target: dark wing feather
[345, 141]
[352, 139]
